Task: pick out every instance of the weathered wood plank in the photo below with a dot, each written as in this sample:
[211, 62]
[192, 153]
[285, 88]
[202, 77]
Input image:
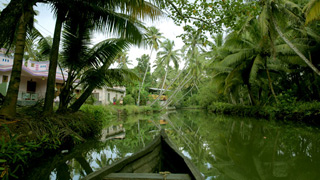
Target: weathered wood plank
[148, 158]
[145, 176]
[148, 167]
[151, 157]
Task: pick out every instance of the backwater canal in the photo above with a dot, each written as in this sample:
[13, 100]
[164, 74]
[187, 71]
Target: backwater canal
[222, 147]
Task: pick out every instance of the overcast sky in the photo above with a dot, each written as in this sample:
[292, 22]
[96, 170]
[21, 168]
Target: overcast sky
[46, 21]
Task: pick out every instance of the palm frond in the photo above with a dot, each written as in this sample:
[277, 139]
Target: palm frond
[256, 66]
[105, 51]
[312, 11]
[236, 58]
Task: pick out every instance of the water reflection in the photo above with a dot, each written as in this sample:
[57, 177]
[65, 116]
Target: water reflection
[221, 147]
[238, 148]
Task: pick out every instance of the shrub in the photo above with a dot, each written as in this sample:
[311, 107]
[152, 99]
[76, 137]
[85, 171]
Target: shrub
[128, 100]
[14, 155]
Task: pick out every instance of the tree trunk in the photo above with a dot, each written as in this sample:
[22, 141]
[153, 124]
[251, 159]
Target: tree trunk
[270, 84]
[84, 96]
[252, 100]
[48, 103]
[84, 164]
[171, 84]
[161, 92]
[164, 81]
[65, 93]
[178, 89]
[8, 108]
[295, 49]
[178, 99]
[144, 77]
[233, 101]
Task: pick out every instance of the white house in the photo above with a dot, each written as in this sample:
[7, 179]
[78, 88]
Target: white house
[34, 82]
[106, 94]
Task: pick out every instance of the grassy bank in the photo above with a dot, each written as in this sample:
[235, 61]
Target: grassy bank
[306, 112]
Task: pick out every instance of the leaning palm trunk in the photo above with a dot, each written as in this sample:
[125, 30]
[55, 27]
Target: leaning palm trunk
[8, 108]
[295, 49]
[161, 92]
[65, 94]
[170, 85]
[144, 77]
[178, 89]
[84, 96]
[178, 99]
[48, 103]
[164, 81]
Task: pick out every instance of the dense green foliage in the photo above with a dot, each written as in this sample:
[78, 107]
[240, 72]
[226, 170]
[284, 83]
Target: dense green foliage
[128, 100]
[47, 134]
[268, 59]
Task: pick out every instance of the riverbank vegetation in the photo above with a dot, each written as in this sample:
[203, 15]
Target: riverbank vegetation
[32, 135]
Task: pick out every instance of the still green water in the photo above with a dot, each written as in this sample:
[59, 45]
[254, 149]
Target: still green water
[222, 147]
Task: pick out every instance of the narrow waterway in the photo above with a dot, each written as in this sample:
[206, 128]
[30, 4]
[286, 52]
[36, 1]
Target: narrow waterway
[222, 147]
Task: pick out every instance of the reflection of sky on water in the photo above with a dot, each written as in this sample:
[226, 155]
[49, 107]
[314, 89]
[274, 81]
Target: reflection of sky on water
[186, 154]
[110, 153]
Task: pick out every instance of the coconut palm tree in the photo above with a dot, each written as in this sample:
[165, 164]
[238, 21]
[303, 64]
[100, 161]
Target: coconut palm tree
[15, 19]
[81, 60]
[275, 12]
[194, 65]
[115, 17]
[164, 58]
[123, 60]
[153, 37]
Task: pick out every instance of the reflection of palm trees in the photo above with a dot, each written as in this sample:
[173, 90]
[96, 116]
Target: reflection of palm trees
[63, 172]
[244, 149]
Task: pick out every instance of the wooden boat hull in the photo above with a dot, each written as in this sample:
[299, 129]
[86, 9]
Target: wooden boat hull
[157, 160]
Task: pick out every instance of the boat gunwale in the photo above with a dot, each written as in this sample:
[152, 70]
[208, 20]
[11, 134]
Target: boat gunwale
[117, 166]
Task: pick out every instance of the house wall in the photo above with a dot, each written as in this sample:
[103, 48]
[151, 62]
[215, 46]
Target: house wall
[105, 92]
[5, 60]
[41, 86]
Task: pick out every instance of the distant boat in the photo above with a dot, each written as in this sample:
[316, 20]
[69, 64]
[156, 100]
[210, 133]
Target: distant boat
[158, 160]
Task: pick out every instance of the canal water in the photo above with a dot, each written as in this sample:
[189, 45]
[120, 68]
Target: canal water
[222, 147]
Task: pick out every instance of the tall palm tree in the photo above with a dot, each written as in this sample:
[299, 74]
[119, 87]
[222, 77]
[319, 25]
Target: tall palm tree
[194, 61]
[15, 19]
[80, 59]
[153, 37]
[123, 60]
[106, 17]
[164, 58]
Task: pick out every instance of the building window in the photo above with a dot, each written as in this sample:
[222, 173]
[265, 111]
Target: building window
[108, 96]
[31, 86]
[4, 78]
[32, 64]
